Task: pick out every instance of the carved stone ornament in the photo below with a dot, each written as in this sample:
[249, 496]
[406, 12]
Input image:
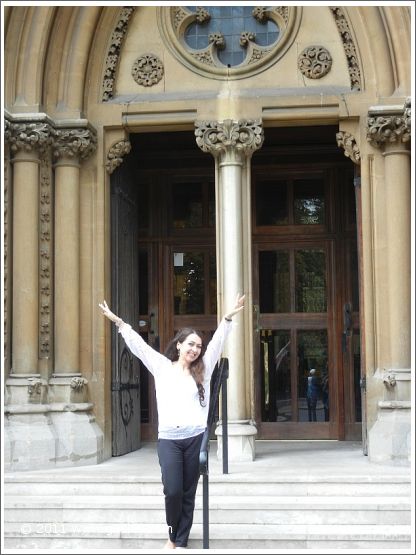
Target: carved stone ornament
[349, 144]
[113, 53]
[78, 383]
[116, 154]
[315, 62]
[28, 136]
[147, 70]
[74, 142]
[34, 386]
[216, 137]
[390, 126]
[349, 47]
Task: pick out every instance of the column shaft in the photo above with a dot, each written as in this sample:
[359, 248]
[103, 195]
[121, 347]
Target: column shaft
[397, 175]
[231, 252]
[25, 327]
[67, 267]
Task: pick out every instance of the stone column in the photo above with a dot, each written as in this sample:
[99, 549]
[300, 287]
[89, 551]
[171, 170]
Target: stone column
[77, 433]
[28, 436]
[388, 129]
[232, 143]
[26, 141]
[71, 145]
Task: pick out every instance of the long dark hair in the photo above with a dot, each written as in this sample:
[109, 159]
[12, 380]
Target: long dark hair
[197, 367]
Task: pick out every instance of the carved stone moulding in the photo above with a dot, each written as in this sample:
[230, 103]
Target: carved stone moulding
[113, 52]
[315, 62]
[147, 70]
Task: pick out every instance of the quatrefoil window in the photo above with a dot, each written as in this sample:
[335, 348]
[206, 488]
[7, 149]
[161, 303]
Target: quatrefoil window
[230, 29]
[229, 42]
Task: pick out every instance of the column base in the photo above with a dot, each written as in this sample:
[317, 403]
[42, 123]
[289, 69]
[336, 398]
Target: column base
[389, 440]
[241, 441]
[49, 436]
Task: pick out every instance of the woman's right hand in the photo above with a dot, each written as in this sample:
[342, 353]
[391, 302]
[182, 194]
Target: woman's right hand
[110, 315]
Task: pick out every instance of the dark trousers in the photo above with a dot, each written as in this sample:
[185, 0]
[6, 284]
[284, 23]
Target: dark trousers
[179, 462]
[312, 402]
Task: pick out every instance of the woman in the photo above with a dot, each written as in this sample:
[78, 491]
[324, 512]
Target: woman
[182, 381]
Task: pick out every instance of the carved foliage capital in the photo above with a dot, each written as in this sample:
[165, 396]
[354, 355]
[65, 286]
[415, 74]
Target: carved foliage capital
[74, 143]
[387, 128]
[28, 136]
[218, 137]
[349, 144]
[115, 155]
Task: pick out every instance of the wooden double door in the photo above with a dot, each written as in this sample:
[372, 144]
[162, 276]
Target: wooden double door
[304, 275]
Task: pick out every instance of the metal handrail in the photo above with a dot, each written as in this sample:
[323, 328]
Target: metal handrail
[220, 380]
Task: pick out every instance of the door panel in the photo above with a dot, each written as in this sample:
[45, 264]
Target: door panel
[125, 384]
[305, 271]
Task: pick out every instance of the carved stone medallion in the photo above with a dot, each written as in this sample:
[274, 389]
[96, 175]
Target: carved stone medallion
[315, 62]
[147, 70]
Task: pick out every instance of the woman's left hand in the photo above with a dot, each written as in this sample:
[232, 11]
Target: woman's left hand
[239, 305]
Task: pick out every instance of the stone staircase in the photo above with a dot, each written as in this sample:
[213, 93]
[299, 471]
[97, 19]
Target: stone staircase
[266, 510]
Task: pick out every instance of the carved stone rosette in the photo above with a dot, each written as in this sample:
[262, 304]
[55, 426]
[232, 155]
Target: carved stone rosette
[391, 126]
[217, 137]
[315, 62]
[349, 144]
[116, 154]
[147, 70]
[74, 142]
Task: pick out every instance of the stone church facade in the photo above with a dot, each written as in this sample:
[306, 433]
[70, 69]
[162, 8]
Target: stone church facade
[165, 158]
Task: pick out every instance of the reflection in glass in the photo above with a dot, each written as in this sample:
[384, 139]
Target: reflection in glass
[188, 283]
[313, 390]
[357, 374]
[276, 403]
[310, 274]
[187, 205]
[309, 201]
[271, 203]
[274, 281]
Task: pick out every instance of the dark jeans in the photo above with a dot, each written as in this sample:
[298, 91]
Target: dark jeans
[179, 462]
[312, 402]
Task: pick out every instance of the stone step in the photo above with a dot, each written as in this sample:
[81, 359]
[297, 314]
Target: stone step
[222, 536]
[302, 485]
[233, 509]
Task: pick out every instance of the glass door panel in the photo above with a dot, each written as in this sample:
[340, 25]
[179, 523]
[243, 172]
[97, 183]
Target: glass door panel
[276, 383]
[313, 378]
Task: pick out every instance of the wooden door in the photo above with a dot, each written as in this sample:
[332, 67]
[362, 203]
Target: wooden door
[125, 384]
[306, 302]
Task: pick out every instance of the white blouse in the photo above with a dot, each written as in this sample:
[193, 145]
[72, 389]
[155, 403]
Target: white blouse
[179, 410]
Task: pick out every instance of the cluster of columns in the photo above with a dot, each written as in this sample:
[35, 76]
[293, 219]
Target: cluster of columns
[44, 387]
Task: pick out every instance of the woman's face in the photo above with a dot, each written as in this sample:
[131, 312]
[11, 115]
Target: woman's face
[190, 348]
